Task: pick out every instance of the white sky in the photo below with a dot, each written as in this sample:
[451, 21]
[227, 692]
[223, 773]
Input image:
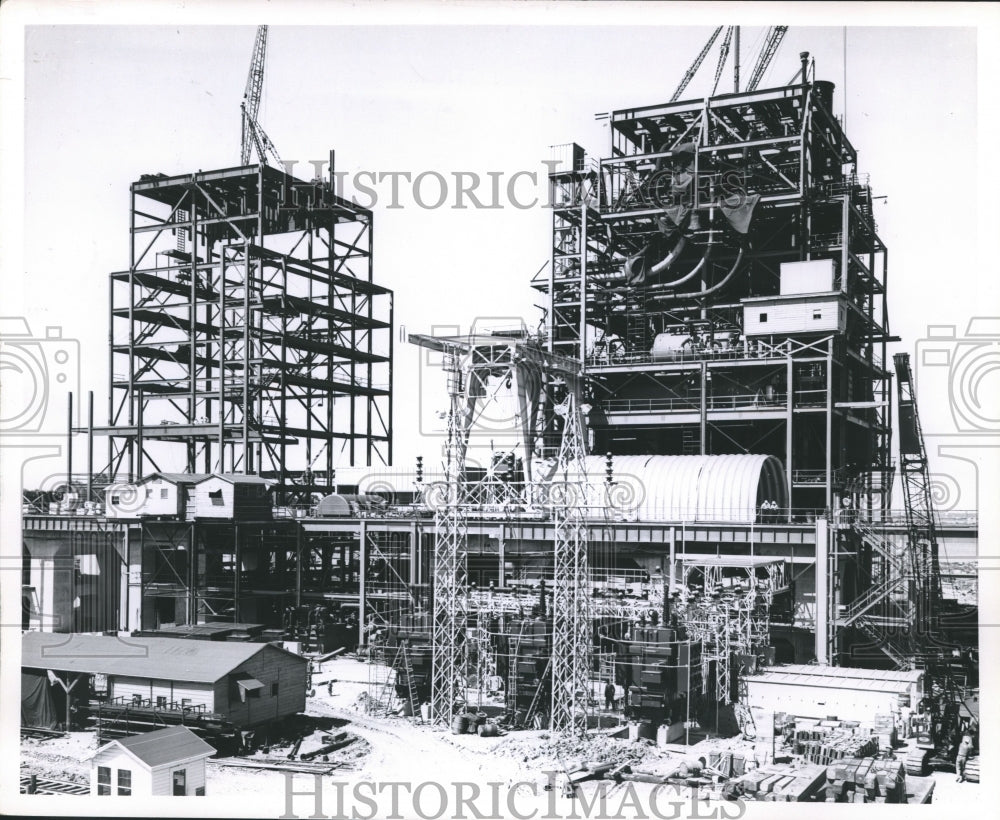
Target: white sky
[105, 103]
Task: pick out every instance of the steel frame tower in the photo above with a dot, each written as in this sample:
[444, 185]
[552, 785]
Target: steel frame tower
[571, 619]
[666, 285]
[247, 334]
[448, 681]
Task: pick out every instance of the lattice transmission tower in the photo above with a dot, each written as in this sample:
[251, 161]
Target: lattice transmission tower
[448, 684]
[571, 623]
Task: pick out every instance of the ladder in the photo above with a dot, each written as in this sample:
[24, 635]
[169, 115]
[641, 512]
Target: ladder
[407, 668]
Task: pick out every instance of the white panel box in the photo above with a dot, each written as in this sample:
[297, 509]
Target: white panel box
[813, 276]
[784, 316]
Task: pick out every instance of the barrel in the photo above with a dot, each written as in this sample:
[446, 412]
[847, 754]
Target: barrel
[460, 724]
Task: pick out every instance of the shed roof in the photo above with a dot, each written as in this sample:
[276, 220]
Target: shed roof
[177, 478]
[237, 478]
[165, 658]
[164, 746]
[837, 677]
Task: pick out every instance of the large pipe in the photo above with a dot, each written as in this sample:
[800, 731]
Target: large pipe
[672, 297]
[686, 277]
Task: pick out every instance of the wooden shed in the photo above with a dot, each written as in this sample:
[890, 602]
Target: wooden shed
[165, 762]
[159, 494]
[247, 684]
[231, 497]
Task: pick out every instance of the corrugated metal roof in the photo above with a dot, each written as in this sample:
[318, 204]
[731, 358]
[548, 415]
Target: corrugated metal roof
[166, 658]
[177, 478]
[908, 675]
[838, 677]
[727, 488]
[165, 746]
[237, 478]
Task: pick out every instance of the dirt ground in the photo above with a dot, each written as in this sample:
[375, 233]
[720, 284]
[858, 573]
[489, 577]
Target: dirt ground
[396, 749]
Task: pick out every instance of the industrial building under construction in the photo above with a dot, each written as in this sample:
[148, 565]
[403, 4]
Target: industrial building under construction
[683, 524]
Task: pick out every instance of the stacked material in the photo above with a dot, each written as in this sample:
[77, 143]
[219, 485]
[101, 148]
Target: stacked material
[885, 731]
[866, 781]
[840, 744]
[782, 784]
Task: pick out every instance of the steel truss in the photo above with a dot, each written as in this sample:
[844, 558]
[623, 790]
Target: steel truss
[571, 590]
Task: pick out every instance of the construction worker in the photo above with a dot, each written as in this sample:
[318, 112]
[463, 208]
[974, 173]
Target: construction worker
[964, 748]
[609, 695]
[905, 717]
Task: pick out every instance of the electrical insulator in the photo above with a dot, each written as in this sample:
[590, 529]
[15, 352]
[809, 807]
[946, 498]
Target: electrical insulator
[609, 469]
[420, 469]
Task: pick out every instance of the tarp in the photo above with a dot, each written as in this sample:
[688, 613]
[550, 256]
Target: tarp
[37, 706]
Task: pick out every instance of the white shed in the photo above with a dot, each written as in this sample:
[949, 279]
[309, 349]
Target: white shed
[808, 690]
[164, 762]
[232, 496]
[158, 494]
[784, 315]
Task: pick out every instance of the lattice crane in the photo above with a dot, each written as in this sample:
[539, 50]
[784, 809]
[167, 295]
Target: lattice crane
[254, 136]
[689, 75]
[920, 525]
[772, 40]
[775, 34]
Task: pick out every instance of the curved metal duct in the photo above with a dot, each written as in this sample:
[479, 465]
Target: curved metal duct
[727, 488]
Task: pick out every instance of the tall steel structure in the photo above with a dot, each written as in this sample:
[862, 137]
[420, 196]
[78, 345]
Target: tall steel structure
[571, 620]
[247, 334]
[720, 278]
[448, 681]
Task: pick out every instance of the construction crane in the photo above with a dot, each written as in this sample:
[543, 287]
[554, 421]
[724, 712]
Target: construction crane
[920, 525]
[689, 75]
[772, 40]
[775, 34]
[254, 136]
[941, 722]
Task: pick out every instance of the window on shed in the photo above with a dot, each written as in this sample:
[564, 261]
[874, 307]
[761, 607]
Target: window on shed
[817, 314]
[763, 317]
[125, 781]
[180, 783]
[216, 497]
[274, 689]
[104, 780]
[164, 493]
[161, 701]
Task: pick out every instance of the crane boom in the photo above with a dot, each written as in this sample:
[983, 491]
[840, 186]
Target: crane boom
[254, 137]
[920, 524]
[775, 34]
[723, 55]
[696, 64]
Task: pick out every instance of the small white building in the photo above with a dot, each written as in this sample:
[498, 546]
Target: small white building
[809, 690]
[164, 762]
[159, 494]
[232, 496]
[788, 315]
